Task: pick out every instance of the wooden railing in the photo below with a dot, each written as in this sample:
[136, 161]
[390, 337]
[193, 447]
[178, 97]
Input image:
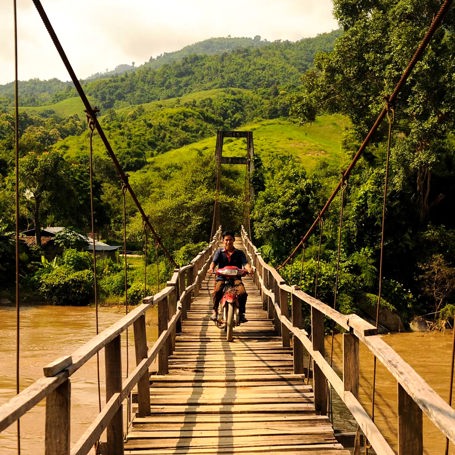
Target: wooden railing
[55, 386]
[284, 304]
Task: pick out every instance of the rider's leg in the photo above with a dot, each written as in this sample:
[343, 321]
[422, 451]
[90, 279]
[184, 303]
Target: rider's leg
[216, 297]
[242, 296]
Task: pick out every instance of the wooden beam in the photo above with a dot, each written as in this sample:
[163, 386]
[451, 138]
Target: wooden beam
[233, 160]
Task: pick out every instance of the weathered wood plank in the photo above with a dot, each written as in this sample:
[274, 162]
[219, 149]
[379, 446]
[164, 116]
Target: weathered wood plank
[319, 449]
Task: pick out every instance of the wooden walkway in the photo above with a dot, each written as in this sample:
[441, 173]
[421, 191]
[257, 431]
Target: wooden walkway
[231, 398]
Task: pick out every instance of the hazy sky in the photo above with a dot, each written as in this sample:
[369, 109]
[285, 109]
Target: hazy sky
[98, 35]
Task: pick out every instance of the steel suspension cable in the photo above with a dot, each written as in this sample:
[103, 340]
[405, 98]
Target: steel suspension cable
[92, 113]
[17, 207]
[437, 20]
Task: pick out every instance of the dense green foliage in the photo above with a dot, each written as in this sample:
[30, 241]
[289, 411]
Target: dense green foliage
[367, 61]
[309, 105]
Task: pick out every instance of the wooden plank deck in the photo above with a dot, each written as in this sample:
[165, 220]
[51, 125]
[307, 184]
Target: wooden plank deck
[231, 398]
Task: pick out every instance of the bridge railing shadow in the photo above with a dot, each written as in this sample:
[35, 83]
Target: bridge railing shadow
[415, 397]
[55, 386]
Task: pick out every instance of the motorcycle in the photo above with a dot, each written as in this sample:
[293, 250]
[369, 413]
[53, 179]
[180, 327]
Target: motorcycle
[228, 309]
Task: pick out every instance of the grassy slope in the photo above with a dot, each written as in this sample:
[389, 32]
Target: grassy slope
[312, 143]
[65, 108]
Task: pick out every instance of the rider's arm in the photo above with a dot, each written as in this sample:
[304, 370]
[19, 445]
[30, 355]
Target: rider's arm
[214, 262]
[248, 268]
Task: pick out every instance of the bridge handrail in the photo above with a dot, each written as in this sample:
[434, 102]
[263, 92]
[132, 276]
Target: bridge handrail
[415, 395]
[54, 386]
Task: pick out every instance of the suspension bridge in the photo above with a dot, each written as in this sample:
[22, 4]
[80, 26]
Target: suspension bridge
[192, 392]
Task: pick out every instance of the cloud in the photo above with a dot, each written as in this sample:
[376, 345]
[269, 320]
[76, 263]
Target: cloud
[99, 35]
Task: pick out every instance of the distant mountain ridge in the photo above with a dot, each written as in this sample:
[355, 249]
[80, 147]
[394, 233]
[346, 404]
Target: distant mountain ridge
[210, 46]
[212, 63]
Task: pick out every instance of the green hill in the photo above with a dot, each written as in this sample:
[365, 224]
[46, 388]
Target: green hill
[64, 108]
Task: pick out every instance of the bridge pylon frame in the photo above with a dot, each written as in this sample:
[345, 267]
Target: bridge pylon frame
[247, 160]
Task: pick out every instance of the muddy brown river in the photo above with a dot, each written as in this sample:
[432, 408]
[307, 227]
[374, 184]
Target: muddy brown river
[49, 332]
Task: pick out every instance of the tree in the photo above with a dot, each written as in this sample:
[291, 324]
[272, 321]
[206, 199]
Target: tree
[285, 208]
[44, 185]
[380, 38]
[437, 281]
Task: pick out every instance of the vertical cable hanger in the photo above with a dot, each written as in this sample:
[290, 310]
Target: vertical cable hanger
[390, 119]
[16, 148]
[91, 126]
[318, 262]
[337, 283]
[125, 265]
[146, 241]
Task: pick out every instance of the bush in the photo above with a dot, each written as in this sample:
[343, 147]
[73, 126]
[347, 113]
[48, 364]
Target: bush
[63, 286]
[136, 293]
[76, 260]
[188, 252]
[113, 284]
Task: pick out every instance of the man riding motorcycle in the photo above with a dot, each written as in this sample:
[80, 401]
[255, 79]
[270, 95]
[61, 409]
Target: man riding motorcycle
[229, 255]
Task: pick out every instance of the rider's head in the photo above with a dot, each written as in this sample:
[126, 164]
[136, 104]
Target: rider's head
[228, 240]
[228, 234]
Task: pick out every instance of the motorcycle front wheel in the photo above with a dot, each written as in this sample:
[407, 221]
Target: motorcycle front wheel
[230, 322]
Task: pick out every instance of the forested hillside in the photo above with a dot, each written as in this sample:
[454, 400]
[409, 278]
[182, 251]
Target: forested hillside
[309, 105]
[213, 63]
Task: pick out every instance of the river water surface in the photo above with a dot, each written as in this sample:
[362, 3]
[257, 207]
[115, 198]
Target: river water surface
[429, 354]
[49, 332]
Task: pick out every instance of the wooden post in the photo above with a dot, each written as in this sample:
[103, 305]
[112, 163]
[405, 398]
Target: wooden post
[143, 386]
[410, 438]
[284, 307]
[269, 286]
[276, 293]
[257, 265]
[265, 284]
[163, 318]
[172, 309]
[191, 280]
[297, 321]
[113, 360]
[58, 415]
[351, 367]
[194, 272]
[172, 304]
[319, 381]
